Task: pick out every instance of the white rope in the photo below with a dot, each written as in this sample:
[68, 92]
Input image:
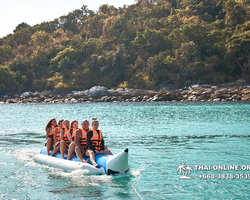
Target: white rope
[135, 189]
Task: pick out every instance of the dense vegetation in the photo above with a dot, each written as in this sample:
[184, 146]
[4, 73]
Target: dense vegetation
[151, 44]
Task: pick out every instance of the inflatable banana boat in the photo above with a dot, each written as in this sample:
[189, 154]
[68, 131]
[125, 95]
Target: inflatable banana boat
[108, 164]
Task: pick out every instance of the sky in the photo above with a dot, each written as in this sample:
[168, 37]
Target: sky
[14, 12]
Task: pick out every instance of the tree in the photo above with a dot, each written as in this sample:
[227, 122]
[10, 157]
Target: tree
[21, 26]
[8, 84]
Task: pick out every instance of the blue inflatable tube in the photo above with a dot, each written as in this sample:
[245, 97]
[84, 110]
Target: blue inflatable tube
[108, 164]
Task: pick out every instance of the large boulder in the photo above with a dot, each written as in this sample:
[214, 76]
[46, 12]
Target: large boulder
[27, 94]
[79, 94]
[114, 93]
[37, 94]
[98, 91]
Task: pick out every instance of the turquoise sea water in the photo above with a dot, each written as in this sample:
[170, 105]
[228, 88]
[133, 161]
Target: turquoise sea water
[159, 136]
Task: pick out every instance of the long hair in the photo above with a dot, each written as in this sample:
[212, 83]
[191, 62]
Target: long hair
[71, 126]
[60, 121]
[49, 124]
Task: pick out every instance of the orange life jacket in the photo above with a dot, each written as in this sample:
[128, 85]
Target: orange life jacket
[58, 133]
[52, 131]
[97, 139]
[83, 140]
[74, 134]
[65, 135]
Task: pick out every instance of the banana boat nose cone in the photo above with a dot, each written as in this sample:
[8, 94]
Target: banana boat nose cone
[118, 163]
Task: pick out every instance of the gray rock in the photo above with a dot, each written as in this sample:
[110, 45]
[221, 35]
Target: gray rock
[74, 91]
[166, 97]
[37, 94]
[98, 91]
[216, 99]
[120, 89]
[79, 94]
[228, 84]
[74, 100]
[105, 99]
[194, 86]
[157, 98]
[27, 94]
[206, 86]
[114, 99]
[46, 93]
[9, 101]
[241, 82]
[134, 99]
[16, 96]
[191, 98]
[114, 93]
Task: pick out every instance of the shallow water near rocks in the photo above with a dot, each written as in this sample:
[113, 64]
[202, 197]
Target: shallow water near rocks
[159, 136]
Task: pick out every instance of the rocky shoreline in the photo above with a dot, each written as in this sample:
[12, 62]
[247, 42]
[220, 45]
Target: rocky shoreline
[226, 92]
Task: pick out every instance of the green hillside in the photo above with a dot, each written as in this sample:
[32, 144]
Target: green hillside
[151, 44]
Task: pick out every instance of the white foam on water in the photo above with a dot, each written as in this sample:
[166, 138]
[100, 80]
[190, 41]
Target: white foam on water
[25, 154]
[137, 172]
[82, 173]
[74, 174]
